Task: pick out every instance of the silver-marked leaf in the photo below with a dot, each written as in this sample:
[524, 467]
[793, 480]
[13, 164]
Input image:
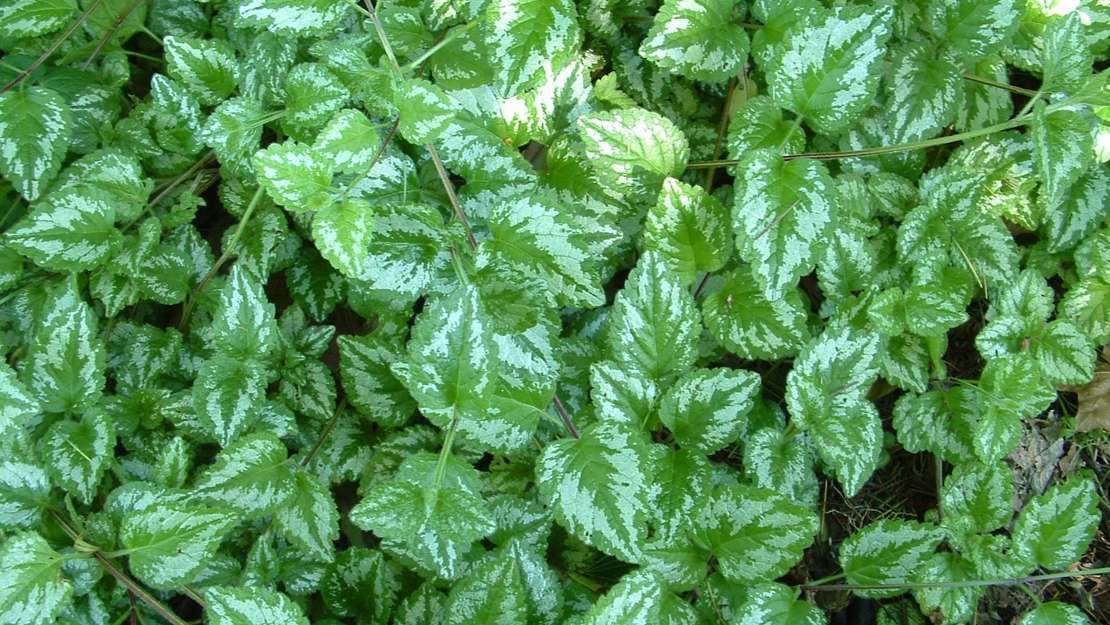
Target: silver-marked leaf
[599, 486]
[409, 252]
[33, 590]
[169, 544]
[782, 210]
[71, 230]
[297, 18]
[1011, 388]
[245, 325]
[972, 28]
[251, 476]
[622, 394]
[451, 367]
[295, 176]
[633, 149]
[689, 228]
[342, 233]
[78, 452]
[35, 129]
[368, 383]
[23, 19]
[755, 534]
[1065, 56]
[348, 142]
[228, 396]
[250, 606]
[206, 66]
[948, 604]
[1054, 613]
[697, 39]
[978, 497]
[538, 238]
[985, 105]
[707, 409]
[826, 394]
[784, 464]
[493, 592]
[361, 583]
[887, 552]
[682, 480]
[1063, 144]
[309, 519]
[1055, 528]
[528, 40]
[758, 124]
[233, 131]
[313, 94]
[654, 324]
[24, 493]
[635, 600]
[64, 368]
[828, 69]
[923, 91]
[772, 603]
[16, 402]
[1081, 210]
[751, 325]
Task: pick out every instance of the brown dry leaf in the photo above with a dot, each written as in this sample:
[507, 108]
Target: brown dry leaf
[1094, 398]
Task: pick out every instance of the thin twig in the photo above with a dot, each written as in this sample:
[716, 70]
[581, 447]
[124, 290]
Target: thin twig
[561, 410]
[1001, 85]
[116, 23]
[974, 583]
[324, 435]
[53, 47]
[374, 160]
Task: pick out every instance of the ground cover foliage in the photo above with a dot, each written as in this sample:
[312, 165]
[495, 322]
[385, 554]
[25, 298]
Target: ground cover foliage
[536, 312]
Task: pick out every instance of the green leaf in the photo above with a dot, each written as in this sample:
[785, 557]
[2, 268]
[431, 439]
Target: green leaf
[342, 233]
[1063, 143]
[169, 544]
[751, 325]
[633, 149]
[1081, 210]
[599, 487]
[492, 593]
[24, 493]
[923, 90]
[297, 18]
[887, 552]
[755, 534]
[368, 383]
[978, 497]
[758, 124]
[206, 66]
[538, 238]
[972, 28]
[245, 325]
[295, 176]
[309, 519]
[782, 210]
[32, 588]
[635, 600]
[251, 476]
[654, 324]
[784, 464]
[707, 409]
[71, 230]
[312, 95]
[16, 402]
[233, 131]
[250, 606]
[772, 603]
[950, 604]
[410, 250]
[23, 19]
[1054, 613]
[451, 366]
[1010, 389]
[64, 369]
[697, 39]
[528, 40]
[682, 479]
[622, 394]
[349, 142]
[826, 393]
[1065, 58]
[361, 583]
[689, 228]
[35, 130]
[827, 71]
[1055, 528]
[78, 452]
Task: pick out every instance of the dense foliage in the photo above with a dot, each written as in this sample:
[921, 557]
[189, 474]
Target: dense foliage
[535, 312]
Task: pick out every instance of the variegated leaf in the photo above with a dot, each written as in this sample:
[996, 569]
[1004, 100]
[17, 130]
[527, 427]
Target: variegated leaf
[697, 39]
[35, 129]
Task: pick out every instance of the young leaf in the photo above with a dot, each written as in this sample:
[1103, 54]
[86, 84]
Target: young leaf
[751, 325]
[527, 40]
[782, 209]
[342, 232]
[599, 487]
[251, 606]
[64, 369]
[707, 409]
[348, 142]
[227, 397]
[978, 497]
[828, 69]
[35, 130]
[33, 590]
[1055, 527]
[78, 452]
[697, 39]
[634, 149]
[772, 603]
[206, 66]
[295, 176]
[169, 544]
[309, 519]
[251, 476]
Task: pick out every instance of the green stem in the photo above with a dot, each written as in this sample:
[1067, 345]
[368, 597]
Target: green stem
[974, 583]
[1001, 85]
[439, 45]
[145, 57]
[53, 47]
[825, 580]
[373, 161]
[324, 435]
[790, 131]
[445, 451]
[1029, 105]
[191, 301]
[111, 32]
